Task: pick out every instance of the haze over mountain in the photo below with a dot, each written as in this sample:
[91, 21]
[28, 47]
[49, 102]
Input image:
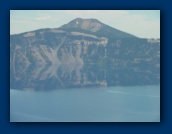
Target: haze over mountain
[83, 52]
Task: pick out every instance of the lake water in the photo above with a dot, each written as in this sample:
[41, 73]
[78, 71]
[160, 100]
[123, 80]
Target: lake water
[105, 104]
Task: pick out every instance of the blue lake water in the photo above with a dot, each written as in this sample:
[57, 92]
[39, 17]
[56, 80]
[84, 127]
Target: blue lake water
[106, 104]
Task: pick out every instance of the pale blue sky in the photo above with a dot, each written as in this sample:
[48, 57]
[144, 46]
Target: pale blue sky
[142, 23]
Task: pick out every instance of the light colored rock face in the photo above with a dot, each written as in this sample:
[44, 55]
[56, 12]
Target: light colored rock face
[90, 25]
[83, 34]
[57, 31]
[31, 34]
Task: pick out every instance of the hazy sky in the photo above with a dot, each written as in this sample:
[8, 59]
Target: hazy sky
[142, 23]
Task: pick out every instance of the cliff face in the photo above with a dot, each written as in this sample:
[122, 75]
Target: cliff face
[53, 46]
[69, 55]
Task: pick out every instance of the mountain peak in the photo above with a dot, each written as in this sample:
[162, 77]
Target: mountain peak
[92, 24]
[89, 19]
[95, 26]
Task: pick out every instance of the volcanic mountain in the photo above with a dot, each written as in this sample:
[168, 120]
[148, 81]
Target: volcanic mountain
[74, 48]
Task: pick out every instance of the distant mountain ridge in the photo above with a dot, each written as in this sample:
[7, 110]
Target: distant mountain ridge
[91, 26]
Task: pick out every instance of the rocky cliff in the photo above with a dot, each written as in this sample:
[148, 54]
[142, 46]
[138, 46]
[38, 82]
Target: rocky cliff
[80, 46]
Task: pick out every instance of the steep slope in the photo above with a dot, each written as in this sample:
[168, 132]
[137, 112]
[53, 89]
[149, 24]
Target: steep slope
[82, 54]
[52, 46]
